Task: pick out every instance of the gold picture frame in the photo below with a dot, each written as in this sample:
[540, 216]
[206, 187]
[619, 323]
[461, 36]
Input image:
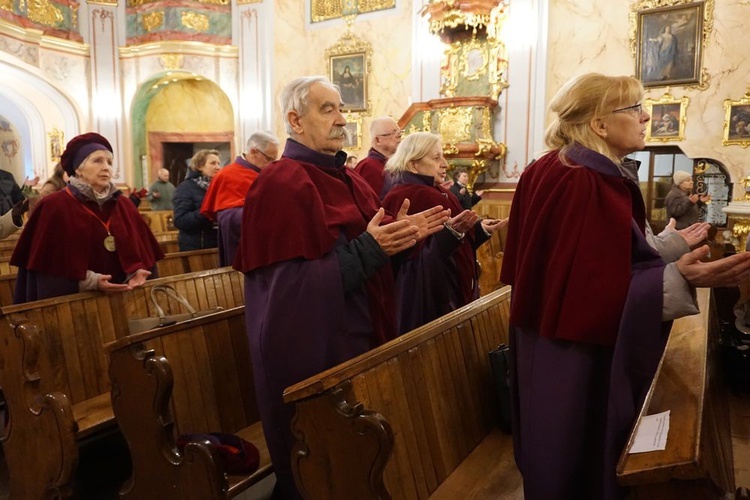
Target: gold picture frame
[667, 40]
[668, 118]
[56, 144]
[353, 141]
[737, 121]
[349, 67]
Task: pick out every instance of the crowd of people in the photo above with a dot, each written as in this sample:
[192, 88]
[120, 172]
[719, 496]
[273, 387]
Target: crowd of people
[342, 256]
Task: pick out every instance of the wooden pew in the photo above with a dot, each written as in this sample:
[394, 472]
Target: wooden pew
[167, 241]
[401, 420]
[53, 370]
[697, 462]
[171, 265]
[192, 377]
[8, 244]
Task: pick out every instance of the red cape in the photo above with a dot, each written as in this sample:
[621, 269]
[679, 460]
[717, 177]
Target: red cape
[297, 210]
[62, 239]
[228, 189]
[372, 170]
[423, 197]
[568, 251]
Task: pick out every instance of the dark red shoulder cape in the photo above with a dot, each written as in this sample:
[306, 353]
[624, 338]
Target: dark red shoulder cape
[297, 210]
[423, 197]
[567, 225]
[372, 169]
[62, 239]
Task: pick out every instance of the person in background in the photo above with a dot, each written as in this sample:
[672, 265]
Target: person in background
[225, 197]
[385, 135]
[440, 273]
[319, 258]
[10, 192]
[461, 191]
[589, 322]
[57, 181]
[682, 204]
[351, 161]
[86, 236]
[12, 221]
[196, 231]
[161, 192]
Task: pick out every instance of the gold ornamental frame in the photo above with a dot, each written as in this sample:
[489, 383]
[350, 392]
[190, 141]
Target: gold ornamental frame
[349, 66]
[737, 121]
[56, 144]
[664, 125]
[688, 20]
[354, 127]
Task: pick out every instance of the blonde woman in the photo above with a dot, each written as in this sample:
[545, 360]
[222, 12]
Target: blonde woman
[592, 301]
[196, 230]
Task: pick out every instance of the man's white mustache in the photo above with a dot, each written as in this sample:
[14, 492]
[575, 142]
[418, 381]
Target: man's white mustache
[338, 132]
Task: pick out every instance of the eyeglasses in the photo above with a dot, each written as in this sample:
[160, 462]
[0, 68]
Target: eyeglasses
[636, 108]
[269, 158]
[397, 133]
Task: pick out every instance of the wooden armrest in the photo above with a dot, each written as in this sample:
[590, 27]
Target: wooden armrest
[167, 330]
[93, 415]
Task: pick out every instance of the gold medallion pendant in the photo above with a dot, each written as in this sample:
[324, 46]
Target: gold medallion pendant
[109, 243]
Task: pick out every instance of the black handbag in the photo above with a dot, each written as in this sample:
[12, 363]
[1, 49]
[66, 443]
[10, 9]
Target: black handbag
[161, 319]
[500, 366]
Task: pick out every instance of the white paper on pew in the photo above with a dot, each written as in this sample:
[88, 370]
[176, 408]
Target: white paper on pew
[651, 434]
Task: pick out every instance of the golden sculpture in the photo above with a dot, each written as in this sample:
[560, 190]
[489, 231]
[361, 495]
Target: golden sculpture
[153, 20]
[43, 12]
[193, 21]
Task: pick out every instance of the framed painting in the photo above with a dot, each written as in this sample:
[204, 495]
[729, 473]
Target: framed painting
[737, 122]
[353, 133]
[349, 69]
[669, 44]
[349, 73]
[668, 118]
[55, 144]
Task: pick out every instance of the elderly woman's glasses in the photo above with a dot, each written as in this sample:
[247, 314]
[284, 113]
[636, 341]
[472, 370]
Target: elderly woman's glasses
[635, 108]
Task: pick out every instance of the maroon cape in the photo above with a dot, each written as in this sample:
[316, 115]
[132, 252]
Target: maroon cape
[372, 169]
[547, 239]
[63, 239]
[440, 272]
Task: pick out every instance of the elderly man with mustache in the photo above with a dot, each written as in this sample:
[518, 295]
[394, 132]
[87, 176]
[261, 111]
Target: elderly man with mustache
[315, 250]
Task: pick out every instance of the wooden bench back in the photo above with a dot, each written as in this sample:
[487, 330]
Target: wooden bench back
[425, 396]
[7, 245]
[192, 377]
[171, 265]
[697, 462]
[74, 328]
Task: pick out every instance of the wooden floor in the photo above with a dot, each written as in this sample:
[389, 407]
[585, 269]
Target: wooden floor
[740, 411]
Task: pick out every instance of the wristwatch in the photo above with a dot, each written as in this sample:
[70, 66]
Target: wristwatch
[457, 234]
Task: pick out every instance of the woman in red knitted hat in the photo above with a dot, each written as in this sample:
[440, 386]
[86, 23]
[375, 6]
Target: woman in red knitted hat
[86, 236]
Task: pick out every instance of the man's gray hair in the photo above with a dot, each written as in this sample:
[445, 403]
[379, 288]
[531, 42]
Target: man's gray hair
[260, 140]
[294, 96]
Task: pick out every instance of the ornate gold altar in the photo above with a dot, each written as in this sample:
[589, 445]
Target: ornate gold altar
[739, 218]
[472, 79]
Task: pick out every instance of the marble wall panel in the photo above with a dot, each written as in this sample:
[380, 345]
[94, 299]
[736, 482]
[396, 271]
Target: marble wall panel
[589, 35]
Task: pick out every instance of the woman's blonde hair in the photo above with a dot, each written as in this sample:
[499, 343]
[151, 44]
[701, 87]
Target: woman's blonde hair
[414, 147]
[583, 99]
[200, 158]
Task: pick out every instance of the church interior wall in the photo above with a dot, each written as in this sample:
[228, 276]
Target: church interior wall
[589, 35]
[299, 49]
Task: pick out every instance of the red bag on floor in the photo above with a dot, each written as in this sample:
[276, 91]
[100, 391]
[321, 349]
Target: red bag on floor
[237, 455]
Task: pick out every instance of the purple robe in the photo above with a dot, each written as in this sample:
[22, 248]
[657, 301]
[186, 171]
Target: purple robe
[299, 320]
[229, 222]
[574, 402]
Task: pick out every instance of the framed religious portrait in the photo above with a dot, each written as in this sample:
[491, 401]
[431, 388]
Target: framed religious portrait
[349, 68]
[350, 74]
[668, 118]
[737, 121]
[669, 44]
[353, 133]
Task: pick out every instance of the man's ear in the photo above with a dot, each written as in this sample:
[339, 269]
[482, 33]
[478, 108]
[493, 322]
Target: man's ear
[599, 126]
[294, 120]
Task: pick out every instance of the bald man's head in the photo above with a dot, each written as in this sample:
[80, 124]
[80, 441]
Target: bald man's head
[163, 175]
